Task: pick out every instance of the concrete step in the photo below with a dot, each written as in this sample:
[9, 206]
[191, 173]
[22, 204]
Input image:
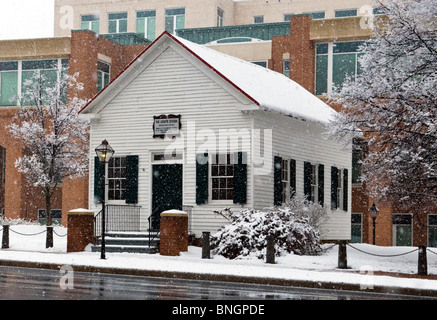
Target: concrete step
[139, 242]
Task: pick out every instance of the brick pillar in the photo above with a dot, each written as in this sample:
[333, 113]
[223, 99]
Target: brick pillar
[174, 232]
[80, 229]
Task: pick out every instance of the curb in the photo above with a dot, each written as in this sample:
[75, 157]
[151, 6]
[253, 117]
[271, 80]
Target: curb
[228, 278]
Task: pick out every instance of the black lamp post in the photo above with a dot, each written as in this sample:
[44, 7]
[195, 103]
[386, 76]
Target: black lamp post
[104, 153]
[374, 214]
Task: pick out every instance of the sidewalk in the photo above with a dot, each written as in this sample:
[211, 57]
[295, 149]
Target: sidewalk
[383, 269]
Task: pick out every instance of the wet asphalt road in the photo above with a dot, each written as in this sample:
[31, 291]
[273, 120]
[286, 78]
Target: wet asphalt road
[41, 284]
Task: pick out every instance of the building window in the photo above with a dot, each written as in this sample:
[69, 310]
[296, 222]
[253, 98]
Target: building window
[174, 19]
[286, 67]
[222, 175]
[258, 19]
[117, 178]
[103, 75]
[90, 22]
[345, 13]
[260, 63]
[146, 24]
[357, 158]
[432, 230]
[314, 15]
[402, 230]
[339, 189]
[314, 183]
[117, 22]
[285, 178]
[339, 204]
[8, 83]
[55, 213]
[11, 88]
[356, 228]
[335, 62]
[220, 14]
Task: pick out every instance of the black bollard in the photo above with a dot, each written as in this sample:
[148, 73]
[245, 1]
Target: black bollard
[342, 255]
[270, 249]
[5, 238]
[49, 237]
[206, 247]
[422, 268]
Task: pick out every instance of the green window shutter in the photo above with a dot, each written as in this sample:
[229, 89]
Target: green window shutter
[240, 179]
[321, 184]
[345, 189]
[277, 181]
[307, 179]
[132, 179]
[292, 178]
[334, 186]
[98, 176]
[202, 178]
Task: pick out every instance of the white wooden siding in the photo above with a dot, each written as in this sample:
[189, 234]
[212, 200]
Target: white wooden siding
[170, 85]
[175, 83]
[303, 141]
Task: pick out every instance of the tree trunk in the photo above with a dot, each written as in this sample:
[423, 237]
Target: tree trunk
[49, 235]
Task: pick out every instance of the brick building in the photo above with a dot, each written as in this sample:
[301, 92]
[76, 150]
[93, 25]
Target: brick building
[97, 59]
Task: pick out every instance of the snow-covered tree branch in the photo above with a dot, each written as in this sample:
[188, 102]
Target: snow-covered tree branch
[392, 104]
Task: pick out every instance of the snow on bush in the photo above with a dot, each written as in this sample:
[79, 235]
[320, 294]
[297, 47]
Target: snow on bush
[247, 233]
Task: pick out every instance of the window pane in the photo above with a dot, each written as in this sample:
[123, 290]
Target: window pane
[112, 26]
[345, 13]
[122, 25]
[95, 26]
[141, 26]
[169, 25]
[180, 22]
[115, 16]
[151, 28]
[343, 66]
[173, 12]
[321, 74]
[9, 88]
[322, 48]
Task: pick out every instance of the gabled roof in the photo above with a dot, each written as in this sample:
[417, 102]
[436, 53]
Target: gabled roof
[267, 89]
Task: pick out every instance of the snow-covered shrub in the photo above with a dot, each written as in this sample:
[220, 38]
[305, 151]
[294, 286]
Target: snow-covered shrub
[247, 233]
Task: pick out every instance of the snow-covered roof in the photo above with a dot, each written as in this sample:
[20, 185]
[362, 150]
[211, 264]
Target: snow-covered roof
[267, 89]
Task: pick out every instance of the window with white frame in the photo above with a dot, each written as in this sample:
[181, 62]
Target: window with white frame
[90, 22]
[174, 19]
[103, 75]
[314, 180]
[285, 178]
[340, 189]
[117, 22]
[286, 67]
[15, 76]
[117, 178]
[220, 14]
[222, 177]
[335, 62]
[146, 24]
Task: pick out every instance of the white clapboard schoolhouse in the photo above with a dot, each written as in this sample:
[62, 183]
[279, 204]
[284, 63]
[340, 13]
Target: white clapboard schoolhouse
[199, 130]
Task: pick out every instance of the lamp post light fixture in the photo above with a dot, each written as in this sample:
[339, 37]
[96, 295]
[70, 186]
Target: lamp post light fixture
[374, 214]
[104, 153]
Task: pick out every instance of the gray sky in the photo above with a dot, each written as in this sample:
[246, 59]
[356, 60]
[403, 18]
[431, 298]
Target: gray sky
[23, 19]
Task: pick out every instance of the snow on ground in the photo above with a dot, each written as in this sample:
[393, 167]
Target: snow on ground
[27, 243]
